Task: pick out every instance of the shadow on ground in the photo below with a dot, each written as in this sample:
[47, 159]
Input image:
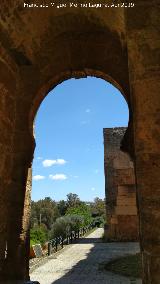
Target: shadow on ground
[88, 270]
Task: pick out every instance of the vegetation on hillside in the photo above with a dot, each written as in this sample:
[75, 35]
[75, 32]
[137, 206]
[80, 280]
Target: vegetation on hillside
[50, 219]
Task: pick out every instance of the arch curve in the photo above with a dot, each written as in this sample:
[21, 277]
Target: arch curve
[53, 82]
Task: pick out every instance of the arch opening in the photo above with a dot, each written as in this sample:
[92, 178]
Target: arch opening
[78, 96]
[62, 103]
[127, 144]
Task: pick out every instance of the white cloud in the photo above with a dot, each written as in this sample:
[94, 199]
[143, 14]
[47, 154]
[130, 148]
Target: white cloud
[76, 176]
[38, 177]
[93, 189]
[88, 110]
[61, 162]
[49, 163]
[39, 158]
[58, 177]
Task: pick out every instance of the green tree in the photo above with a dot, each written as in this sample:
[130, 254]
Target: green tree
[62, 207]
[98, 207]
[65, 225]
[61, 228]
[76, 222]
[72, 200]
[82, 210]
[44, 211]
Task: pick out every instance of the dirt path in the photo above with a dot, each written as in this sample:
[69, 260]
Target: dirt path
[79, 263]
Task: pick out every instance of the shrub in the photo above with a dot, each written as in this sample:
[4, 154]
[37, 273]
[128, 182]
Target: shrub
[60, 228]
[76, 222]
[65, 225]
[38, 235]
[98, 221]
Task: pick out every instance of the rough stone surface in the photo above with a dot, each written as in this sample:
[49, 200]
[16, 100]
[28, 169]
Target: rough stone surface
[121, 208]
[42, 47]
[80, 263]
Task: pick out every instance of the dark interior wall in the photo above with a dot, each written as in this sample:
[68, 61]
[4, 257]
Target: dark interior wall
[41, 48]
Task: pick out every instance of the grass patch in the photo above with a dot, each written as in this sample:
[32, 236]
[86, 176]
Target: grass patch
[127, 266]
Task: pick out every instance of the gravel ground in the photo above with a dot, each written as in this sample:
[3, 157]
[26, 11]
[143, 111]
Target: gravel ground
[80, 263]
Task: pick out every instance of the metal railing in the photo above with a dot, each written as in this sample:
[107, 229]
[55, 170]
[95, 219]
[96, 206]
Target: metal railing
[57, 243]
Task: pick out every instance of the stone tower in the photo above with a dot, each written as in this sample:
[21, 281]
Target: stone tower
[121, 209]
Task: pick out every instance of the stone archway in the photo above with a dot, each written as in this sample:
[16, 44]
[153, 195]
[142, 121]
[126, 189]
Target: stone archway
[38, 54]
[43, 92]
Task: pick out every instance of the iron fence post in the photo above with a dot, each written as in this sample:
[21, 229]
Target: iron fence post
[49, 248]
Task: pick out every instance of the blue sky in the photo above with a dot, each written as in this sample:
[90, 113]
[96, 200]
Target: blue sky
[69, 154]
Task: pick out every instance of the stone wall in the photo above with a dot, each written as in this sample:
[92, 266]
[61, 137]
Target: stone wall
[120, 189]
[39, 49]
